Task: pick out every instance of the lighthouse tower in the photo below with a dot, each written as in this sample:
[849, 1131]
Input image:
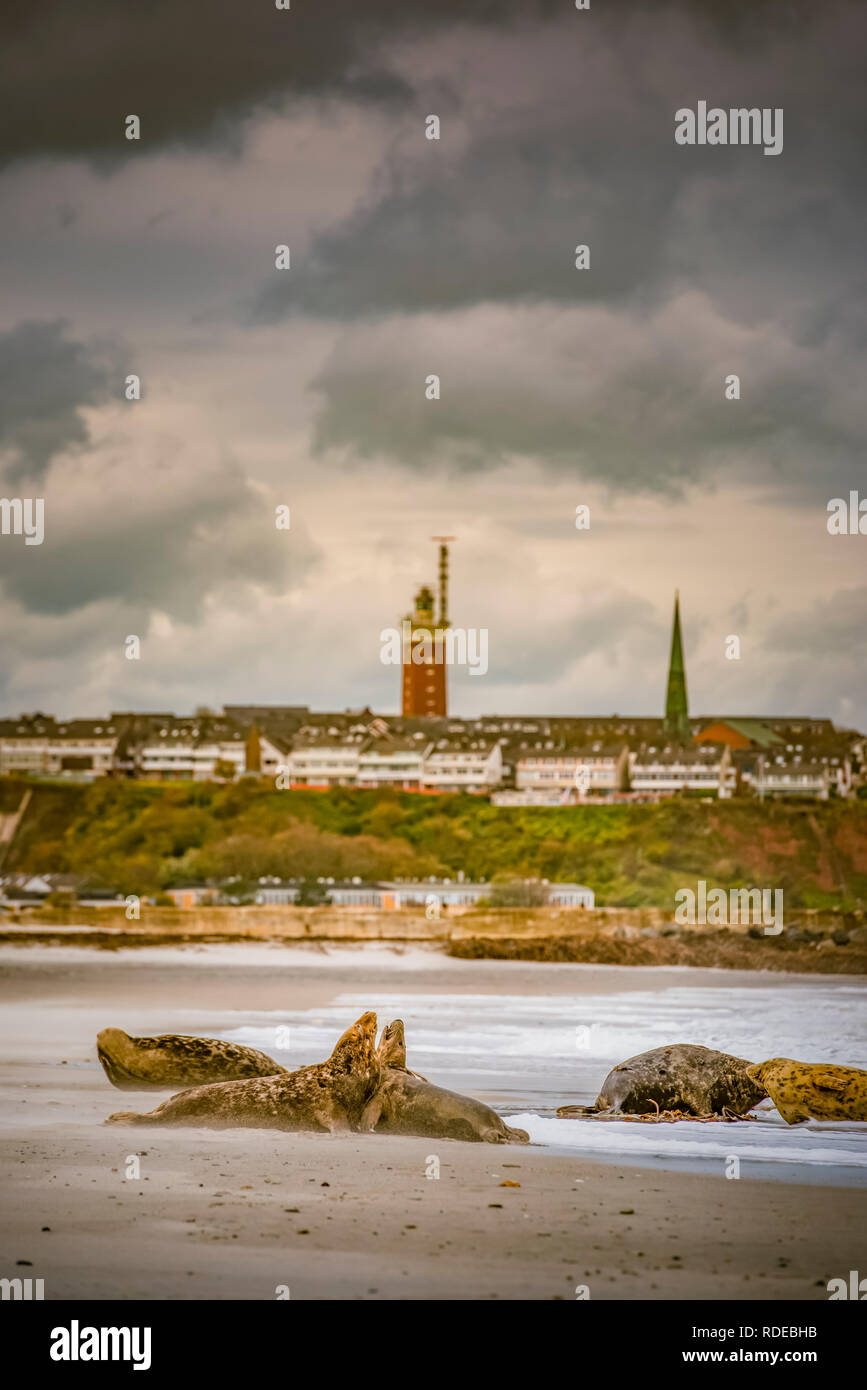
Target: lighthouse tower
[423, 670]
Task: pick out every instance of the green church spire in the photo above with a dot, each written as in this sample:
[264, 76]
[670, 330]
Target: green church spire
[676, 708]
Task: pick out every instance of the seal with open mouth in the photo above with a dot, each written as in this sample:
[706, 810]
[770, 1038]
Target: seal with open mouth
[405, 1103]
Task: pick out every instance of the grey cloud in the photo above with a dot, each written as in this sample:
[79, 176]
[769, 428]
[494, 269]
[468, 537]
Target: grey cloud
[46, 379]
[157, 533]
[564, 135]
[585, 392]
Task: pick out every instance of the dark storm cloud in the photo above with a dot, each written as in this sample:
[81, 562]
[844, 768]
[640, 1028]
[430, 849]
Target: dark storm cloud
[565, 137]
[563, 134]
[189, 68]
[46, 378]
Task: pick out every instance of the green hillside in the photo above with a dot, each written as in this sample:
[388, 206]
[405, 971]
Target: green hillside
[143, 837]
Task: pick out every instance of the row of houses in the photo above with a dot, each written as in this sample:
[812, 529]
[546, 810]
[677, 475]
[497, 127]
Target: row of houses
[437, 893]
[29, 890]
[518, 762]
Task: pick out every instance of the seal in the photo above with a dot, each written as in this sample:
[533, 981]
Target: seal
[172, 1059]
[681, 1077]
[392, 1049]
[327, 1096]
[818, 1091]
[405, 1103]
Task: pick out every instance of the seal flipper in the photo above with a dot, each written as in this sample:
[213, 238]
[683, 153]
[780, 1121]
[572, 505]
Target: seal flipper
[371, 1114]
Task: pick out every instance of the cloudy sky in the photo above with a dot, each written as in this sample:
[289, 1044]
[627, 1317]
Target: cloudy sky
[410, 257]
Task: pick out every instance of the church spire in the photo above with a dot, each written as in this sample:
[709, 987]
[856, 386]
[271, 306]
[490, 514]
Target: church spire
[676, 708]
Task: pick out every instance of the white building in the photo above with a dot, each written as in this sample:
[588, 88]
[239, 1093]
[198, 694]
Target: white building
[589, 771]
[462, 893]
[40, 745]
[442, 893]
[700, 768]
[473, 765]
[393, 762]
[324, 762]
[782, 777]
[196, 750]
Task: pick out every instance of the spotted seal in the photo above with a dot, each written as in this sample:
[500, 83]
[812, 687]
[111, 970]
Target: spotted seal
[683, 1076]
[327, 1096]
[173, 1059]
[405, 1103]
[819, 1091]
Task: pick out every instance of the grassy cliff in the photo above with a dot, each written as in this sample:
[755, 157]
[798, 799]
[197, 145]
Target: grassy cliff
[142, 837]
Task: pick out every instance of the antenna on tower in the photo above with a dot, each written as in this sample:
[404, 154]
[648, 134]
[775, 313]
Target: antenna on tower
[443, 620]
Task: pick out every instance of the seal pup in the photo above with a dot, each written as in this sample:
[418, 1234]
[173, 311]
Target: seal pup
[173, 1059]
[404, 1103]
[818, 1091]
[327, 1096]
[682, 1076]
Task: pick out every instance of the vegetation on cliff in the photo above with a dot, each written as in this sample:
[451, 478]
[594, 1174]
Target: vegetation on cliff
[143, 837]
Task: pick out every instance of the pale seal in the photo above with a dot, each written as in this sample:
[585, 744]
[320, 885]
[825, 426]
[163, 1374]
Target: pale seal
[404, 1103]
[172, 1059]
[819, 1091]
[682, 1077]
[328, 1096]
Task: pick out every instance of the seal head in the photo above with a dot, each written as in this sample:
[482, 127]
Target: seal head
[819, 1091]
[406, 1103]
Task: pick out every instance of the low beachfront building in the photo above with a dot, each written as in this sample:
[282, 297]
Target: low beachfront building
[192, 895]
[462, 893]
[397, 893]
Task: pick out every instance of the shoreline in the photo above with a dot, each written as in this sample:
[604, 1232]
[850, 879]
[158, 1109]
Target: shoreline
[819, 943]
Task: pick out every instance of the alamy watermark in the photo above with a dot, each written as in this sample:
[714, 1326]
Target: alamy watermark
[423, 646]
[855, 1289]
[23, 516]
[847, 519]
[738, 126]
[717, 908]
[77, 1343]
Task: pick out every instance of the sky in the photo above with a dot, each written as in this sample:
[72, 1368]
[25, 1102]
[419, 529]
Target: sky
[410, 257]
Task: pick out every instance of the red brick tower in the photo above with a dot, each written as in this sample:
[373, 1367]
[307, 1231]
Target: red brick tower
[423, 672]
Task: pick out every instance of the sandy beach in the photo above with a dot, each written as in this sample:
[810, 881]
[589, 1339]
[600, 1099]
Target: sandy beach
[238, 1214]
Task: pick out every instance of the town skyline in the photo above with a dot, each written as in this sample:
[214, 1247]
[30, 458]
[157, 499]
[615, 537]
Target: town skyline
[560, 388]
